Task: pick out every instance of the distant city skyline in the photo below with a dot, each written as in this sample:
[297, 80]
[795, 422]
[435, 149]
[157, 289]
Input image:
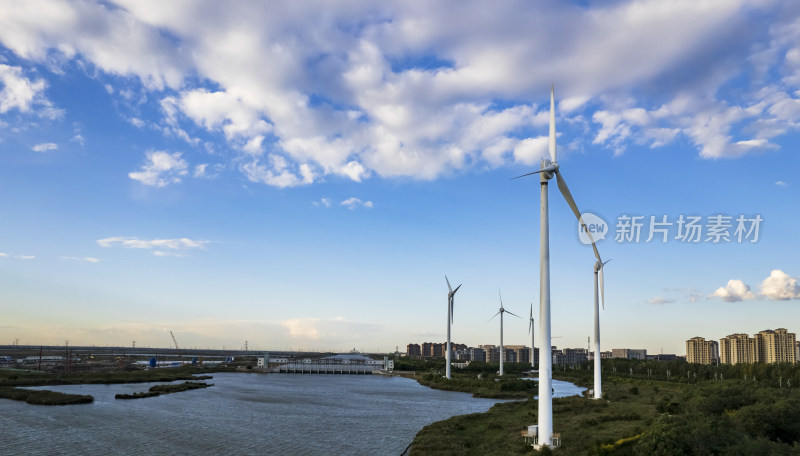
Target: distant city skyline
[304, 177]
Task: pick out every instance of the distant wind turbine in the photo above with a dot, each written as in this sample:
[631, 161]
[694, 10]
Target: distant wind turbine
[501, 312]
[548, 170]
[533, 337]
[450, 300]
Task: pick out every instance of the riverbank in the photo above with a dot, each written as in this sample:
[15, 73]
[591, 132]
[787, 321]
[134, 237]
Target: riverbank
[635, 417]
[485, 386]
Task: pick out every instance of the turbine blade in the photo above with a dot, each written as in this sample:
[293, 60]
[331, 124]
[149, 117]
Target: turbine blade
[552, 141]
[546, 169]
[454, 291]
[512, 313]
[562, 185]
[602, 291]
[530, 325]
[494, 316]
[448, 284]
[501, 299]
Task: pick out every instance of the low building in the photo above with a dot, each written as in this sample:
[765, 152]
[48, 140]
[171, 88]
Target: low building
[629, 353]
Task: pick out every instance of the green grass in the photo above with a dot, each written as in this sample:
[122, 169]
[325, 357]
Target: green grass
[43, 397]
[486, 386]
[158, 390]
[20, 378]
[636, 417]
[584, 424]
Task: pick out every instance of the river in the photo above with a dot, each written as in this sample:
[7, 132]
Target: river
[284, 414]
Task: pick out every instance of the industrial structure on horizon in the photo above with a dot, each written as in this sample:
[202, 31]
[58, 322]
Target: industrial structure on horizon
[766, 347]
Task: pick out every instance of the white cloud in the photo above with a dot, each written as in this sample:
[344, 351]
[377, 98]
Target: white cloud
[781, 183]
[25, 257]
[86, 259]
[161, 169]
[326, 202]
[160, 247]
[780, 286]
[19, 92]
[44, 147]
[659, 301]
[200, 170]
[3, 254]
[734, 291]
[278, 172]
[358, 95]
[353, 203]
[302, 327]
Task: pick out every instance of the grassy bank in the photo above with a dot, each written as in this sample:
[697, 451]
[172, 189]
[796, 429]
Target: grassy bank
[636, 417]
[485, 386]
[35, 378]
[158, 390]
[43, 397]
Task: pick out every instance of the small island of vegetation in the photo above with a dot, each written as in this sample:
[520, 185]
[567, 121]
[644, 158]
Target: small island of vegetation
[158, 390]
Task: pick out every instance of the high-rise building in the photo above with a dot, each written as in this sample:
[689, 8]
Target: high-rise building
[768, 346]
[737, 349]
[413, 351]
[776, 346]
[702, 351]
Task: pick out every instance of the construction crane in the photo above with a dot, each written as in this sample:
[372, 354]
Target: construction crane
[176, 344]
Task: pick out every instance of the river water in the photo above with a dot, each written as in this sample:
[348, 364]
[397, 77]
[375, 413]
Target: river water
[281, 414]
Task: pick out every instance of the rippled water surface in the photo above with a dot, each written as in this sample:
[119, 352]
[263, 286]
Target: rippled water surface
[282, 414]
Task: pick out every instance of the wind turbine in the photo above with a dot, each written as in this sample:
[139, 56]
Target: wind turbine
[501, 312]
[450, 300]
[598, 271]
[533, 337]
[548, 170]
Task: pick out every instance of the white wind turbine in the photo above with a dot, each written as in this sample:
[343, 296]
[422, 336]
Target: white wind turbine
[501, 312]
[548, 170]
[598, 270]
[533, 337]
[450, 299]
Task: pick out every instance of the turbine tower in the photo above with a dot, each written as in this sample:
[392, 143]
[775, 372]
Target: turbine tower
[450, 299]
[548, 170]
[533, 337]
[598, 271]
[501, 312]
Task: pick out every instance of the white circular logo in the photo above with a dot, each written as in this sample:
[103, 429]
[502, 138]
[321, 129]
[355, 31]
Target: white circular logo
[592, 227]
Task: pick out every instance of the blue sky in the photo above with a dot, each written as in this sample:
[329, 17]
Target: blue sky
[302, 175]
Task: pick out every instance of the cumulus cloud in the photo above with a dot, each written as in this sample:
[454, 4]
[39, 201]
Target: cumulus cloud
[404, 90]
[161, 169]
[734, 291]
[18, 92]
[159, 247]
[780, 286]
[354, 203]
[44, 147]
